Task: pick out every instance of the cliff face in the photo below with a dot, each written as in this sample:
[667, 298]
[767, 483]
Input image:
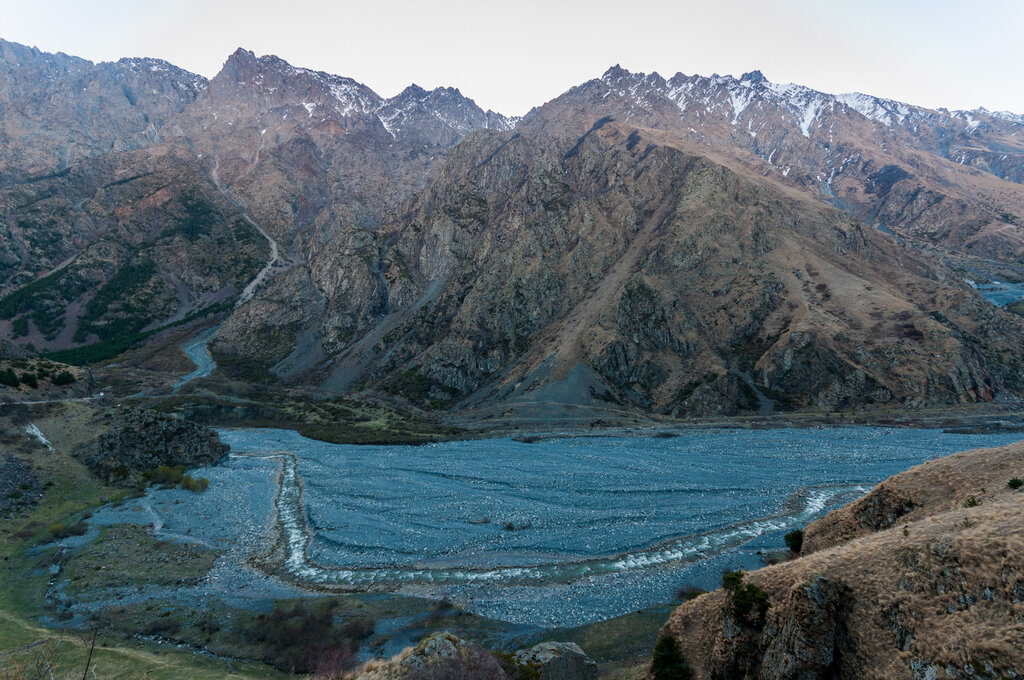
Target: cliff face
[922, 578]
[625, 267]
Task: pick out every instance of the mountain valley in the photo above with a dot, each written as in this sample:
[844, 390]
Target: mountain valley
[296, 378]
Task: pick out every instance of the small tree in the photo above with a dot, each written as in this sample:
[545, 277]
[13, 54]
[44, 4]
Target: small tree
[9, 378]
[668, 663]
[63, 378]
[744, 598]
[795, 540]
[30, 380]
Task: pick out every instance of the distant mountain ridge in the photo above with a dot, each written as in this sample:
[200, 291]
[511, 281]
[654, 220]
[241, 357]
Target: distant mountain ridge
[688, 246]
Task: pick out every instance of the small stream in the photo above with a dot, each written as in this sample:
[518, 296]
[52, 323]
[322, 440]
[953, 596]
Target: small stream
[196, 349]
[1000, 293]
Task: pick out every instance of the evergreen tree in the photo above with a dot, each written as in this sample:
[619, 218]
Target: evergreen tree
[668, 663]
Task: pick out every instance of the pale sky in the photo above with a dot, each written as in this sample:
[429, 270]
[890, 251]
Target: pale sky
[511, 56]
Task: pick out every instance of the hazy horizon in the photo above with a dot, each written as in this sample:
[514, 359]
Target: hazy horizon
[930, 54]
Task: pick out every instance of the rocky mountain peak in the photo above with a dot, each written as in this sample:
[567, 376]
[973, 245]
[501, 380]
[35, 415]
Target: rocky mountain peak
[437, 117]
[753, 77]
[267, 82]
[615, 73]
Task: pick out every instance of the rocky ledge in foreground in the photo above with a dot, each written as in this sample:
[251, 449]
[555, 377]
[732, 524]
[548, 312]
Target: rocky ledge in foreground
[136, 440]
[923, 578]
[443, 656]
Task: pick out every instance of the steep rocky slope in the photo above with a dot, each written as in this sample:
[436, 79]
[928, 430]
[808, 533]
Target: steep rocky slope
[922, 578]
[636, 243]
[947, 179]
[116, 243]
[106, 168]
[626, 265]
[56, 110]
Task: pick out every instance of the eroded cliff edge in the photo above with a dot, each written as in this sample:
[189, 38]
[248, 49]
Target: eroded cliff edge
[921, 578]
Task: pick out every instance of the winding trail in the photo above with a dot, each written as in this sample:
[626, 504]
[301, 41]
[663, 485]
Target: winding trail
[274, 261]
[196, 348]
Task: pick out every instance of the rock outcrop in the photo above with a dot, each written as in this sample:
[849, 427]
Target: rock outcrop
[135, 440]
[443, 656]
[19, 485]
[557, 661]
[890, 590]
[437, 657]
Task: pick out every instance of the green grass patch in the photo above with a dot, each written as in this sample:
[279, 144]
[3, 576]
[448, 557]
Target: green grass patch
[128, 555]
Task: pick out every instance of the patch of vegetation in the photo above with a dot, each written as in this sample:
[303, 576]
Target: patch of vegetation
[303, 638]
[794, 540]
[1015, 307]
[97, 351]
[63, 378]
[245, 369]
[744, 598]
[420, 389]
[170, 476]
[104, 350]
[19, 327]
[9, 378]
[43, 299]
[689, 592]
[122, 288]
[971, 502]
[1015, 483]
[339, 421]
[102, 564]
[64, 531]
[199, 220]
[30, 380]
[667, 662]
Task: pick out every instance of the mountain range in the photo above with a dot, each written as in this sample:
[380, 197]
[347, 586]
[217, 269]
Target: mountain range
[688, 246]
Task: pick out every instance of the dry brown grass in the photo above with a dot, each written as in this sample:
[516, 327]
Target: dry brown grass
[946, 592]
[931, 487]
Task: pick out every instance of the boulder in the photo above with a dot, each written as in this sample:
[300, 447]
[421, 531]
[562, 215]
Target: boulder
[557, 661]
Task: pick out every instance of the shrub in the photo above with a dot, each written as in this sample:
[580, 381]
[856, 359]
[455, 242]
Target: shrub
[667, 663]
[165, 474]
[174, 475]
[195, 485]
[971, 502]
[795, 540]
[162, 627]
[9, 378]
[63, 378]
[1015, 483]
[63, 531]
[30, 380]
[301, 640]
[744, 598]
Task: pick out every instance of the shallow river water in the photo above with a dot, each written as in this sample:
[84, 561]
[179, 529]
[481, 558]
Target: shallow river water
[554, 533]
